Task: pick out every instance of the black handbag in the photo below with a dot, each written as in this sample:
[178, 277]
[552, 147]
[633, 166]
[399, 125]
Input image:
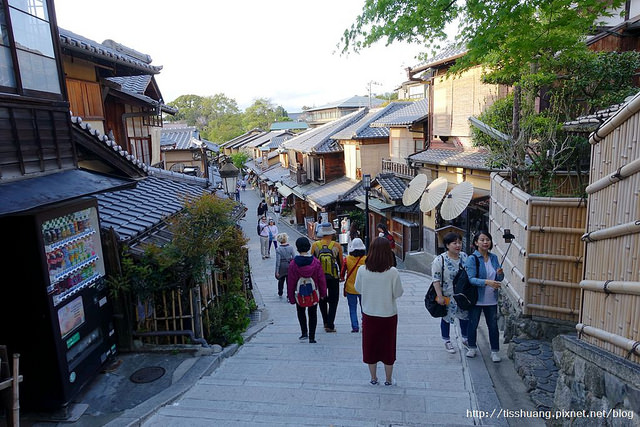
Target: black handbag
[434, 309]
[432, 306]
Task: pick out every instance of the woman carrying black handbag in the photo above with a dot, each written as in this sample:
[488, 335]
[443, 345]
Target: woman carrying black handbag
[444, 268]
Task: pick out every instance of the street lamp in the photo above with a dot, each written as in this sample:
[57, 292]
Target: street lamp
[366, 182]
[229, 175]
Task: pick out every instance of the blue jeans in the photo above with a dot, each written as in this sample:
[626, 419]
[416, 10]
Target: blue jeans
[445, 328]
[491, 317]
[352, 300]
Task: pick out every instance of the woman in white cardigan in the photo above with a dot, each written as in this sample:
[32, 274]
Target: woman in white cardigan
[378, 281]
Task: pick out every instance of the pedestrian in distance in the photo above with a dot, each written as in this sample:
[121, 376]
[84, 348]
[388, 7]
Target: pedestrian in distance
[379, 284]
[329, 253]
[353, 234]
[237, 193]
[352, 263]
[284, 255]
[272, 230]
[243, 184]
[487, 277]
[444, 268]
[263, 232]
[305, 265]
[263, 208]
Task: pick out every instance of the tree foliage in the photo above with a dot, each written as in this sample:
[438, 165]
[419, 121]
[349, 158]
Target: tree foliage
[506, 36]
[239, 159]
[217, 117]
[262, 114]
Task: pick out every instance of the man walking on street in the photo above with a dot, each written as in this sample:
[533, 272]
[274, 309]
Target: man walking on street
[329, 253]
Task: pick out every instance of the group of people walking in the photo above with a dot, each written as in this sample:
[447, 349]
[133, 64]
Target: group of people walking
[372, 281]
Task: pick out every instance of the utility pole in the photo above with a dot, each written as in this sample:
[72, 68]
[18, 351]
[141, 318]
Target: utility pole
[372, 82]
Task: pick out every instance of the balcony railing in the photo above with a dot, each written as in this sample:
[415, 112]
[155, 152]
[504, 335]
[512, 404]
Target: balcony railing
[397, 168]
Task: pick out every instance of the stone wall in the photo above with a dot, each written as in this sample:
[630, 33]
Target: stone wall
[528, 327]
[592, 379]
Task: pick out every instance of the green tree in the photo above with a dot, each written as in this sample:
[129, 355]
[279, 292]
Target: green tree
[217, 117]
[506, 36]
[239, 159]
[261, 114]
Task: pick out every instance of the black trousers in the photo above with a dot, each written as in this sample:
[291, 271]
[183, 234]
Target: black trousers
[329, 305]
[281, 281]
[313, 320]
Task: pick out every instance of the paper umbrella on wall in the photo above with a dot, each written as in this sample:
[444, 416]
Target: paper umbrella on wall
[433, 194]
[456, 201]
[414, 190]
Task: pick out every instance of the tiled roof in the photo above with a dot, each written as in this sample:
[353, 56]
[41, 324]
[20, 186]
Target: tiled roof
[393, 185]
[78, 43]
[450, 52]
[244, 142]
[244, 136]
[265, 138]
[289, 125]
[591, 122]
[136, 86]
[350, 196]
[406, 116]
[275, 173]
[329, 193]
[319, 140]
[180, 139]
[353, 102]
[362, 128]
[472, 159]
[276, 141]
[154, 199]
[104, 140]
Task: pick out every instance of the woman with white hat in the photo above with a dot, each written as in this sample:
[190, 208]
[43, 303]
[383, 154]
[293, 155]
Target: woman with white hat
[352, 263]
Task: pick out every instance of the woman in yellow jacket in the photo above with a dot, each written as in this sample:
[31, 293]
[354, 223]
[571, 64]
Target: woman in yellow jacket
[350, 267]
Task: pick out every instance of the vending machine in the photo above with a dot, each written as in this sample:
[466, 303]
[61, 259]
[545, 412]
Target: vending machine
[54, 306]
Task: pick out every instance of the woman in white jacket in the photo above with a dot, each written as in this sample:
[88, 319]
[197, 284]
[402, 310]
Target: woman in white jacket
[378, 281]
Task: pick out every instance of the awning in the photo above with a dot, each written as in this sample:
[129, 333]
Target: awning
[32, 193]
[404, 222]
[284, 190]
[375, 205]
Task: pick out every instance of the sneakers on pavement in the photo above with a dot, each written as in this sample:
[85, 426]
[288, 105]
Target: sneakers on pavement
[374, 381]
[471, 352]
[495, 357]
[312, 341]
[303, 337]
[449, 347]
[389, 383]
[330, 329]
[355, 330]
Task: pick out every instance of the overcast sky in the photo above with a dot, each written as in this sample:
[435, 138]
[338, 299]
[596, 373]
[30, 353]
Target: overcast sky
[277, 49]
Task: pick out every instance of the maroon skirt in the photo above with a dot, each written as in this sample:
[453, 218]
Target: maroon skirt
[379, 339]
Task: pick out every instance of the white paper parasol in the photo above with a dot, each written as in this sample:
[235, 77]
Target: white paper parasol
[414, 190]
[433, 194]
[456, 201]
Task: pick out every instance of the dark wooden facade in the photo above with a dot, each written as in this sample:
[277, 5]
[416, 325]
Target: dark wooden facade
[333, 166]
[35, 131]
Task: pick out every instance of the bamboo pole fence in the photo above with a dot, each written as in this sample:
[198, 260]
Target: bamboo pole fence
[544, 266]
[610, 312]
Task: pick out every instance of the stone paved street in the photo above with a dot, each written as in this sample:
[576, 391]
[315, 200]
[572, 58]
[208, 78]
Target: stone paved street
[274, 379]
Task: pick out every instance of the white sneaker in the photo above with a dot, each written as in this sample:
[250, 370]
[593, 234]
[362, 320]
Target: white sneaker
[449, 347]
[471, 352]
[495, 357]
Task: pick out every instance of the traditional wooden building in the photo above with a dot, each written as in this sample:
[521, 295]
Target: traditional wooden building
[112, 87]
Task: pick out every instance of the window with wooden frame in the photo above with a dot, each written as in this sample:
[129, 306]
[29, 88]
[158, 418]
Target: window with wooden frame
[28, 64]
[85, 99]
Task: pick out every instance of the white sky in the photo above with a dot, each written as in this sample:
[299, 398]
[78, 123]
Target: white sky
[247, 49]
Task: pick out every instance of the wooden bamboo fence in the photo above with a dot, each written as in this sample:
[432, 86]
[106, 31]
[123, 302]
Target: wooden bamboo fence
[610, 313]
[543, 268]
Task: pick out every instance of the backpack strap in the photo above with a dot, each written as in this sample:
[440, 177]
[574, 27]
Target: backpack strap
[353, 268]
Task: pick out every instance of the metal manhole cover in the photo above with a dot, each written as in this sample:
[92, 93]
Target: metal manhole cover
[147, 375]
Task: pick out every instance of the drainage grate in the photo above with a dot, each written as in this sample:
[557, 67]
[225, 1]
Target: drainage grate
[147, 375]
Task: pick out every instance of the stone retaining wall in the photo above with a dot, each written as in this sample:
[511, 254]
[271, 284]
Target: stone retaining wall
[592, 379]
